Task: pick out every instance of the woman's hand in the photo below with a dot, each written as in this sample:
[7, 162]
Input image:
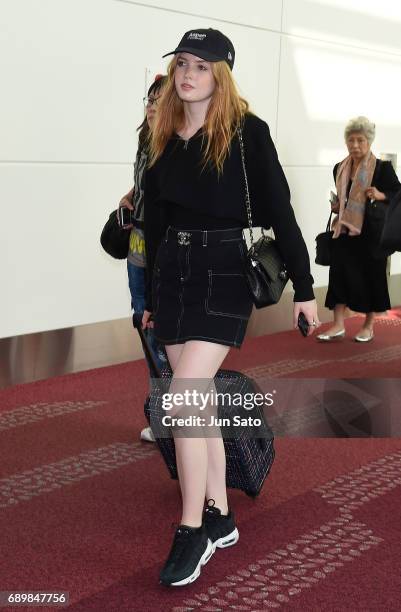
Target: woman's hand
[374, 194]
[126, 201]
[146, 319]
[310, 311]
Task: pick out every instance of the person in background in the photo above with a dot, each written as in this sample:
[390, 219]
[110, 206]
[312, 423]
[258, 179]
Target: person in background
[357, 276]
[134, 200]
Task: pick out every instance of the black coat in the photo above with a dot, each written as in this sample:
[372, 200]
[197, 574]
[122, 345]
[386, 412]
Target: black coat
[385, 180]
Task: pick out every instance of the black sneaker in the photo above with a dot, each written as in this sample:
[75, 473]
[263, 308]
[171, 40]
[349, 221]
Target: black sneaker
[220, 529]
[190, 550]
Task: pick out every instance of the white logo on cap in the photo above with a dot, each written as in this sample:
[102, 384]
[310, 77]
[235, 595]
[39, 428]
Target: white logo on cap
[229, 56]
[196, 36]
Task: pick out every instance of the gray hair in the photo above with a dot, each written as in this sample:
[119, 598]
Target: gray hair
[361, 124]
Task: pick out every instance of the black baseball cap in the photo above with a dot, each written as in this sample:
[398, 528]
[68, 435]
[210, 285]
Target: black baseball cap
[211, 45]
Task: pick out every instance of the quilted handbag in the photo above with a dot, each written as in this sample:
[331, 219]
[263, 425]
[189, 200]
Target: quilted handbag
[266, 272]
[265, 269]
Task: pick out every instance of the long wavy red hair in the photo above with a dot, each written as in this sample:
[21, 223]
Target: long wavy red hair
[224, 114]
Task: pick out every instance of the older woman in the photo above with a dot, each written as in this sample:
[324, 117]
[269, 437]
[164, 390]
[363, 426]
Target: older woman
[357, 278]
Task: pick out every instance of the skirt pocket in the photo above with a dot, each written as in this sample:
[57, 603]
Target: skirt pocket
[228, 295]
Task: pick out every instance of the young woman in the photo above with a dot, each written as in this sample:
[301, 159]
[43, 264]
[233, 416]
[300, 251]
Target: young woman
[196, 291]
[134, 200]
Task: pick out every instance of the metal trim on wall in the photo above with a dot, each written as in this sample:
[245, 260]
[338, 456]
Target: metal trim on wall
[52, 353]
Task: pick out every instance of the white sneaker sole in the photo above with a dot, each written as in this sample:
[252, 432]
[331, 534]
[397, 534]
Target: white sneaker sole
[196, 573]
[147, 435]
[228, 540]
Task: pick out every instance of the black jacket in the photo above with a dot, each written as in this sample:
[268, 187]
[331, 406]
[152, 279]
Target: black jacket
[178, 177]
[384, 179]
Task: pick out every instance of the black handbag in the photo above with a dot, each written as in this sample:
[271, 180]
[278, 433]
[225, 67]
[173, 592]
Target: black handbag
[265, 269]
[114, 239]
[376, 212]
[375, 219]
[378, 221]
[324, 242]
[390, 238]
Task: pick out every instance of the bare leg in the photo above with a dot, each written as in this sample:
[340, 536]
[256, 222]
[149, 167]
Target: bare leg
[174, 353]
[198, 359]
[338, 323]
[367, 328]
[370, 321]
[216, 473]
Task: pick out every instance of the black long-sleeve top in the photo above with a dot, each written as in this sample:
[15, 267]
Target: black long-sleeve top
[178, 182]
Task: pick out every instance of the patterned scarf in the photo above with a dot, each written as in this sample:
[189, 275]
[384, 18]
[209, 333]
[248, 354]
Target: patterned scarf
[351, 216]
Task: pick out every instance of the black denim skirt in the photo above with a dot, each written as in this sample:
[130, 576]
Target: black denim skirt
[199, 287]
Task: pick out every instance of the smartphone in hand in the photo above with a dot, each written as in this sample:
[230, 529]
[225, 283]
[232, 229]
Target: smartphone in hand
[124, 216]
[303, 324]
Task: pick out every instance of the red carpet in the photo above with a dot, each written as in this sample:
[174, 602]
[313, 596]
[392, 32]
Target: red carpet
[85, 508]
[288, 356]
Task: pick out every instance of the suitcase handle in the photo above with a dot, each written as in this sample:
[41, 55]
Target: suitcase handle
[137, 323]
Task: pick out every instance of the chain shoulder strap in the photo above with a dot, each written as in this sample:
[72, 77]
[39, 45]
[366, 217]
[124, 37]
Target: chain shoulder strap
[247, 196]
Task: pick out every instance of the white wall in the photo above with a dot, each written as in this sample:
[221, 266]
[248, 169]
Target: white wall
[73, 76]
[339, 59]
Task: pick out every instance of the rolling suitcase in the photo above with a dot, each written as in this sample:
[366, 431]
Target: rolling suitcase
[249, 451]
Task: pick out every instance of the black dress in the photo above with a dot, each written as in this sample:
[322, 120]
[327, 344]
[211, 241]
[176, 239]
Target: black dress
[195, 251]
[357, 276]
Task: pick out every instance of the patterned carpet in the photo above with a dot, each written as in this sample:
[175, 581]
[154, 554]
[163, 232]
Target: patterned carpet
[87, 508]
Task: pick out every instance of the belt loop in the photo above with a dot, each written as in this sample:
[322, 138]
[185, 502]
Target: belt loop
[167, 231]
[204, 238]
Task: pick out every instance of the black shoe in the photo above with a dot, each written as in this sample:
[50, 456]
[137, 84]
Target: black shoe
[221, 529]
[190, 550]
